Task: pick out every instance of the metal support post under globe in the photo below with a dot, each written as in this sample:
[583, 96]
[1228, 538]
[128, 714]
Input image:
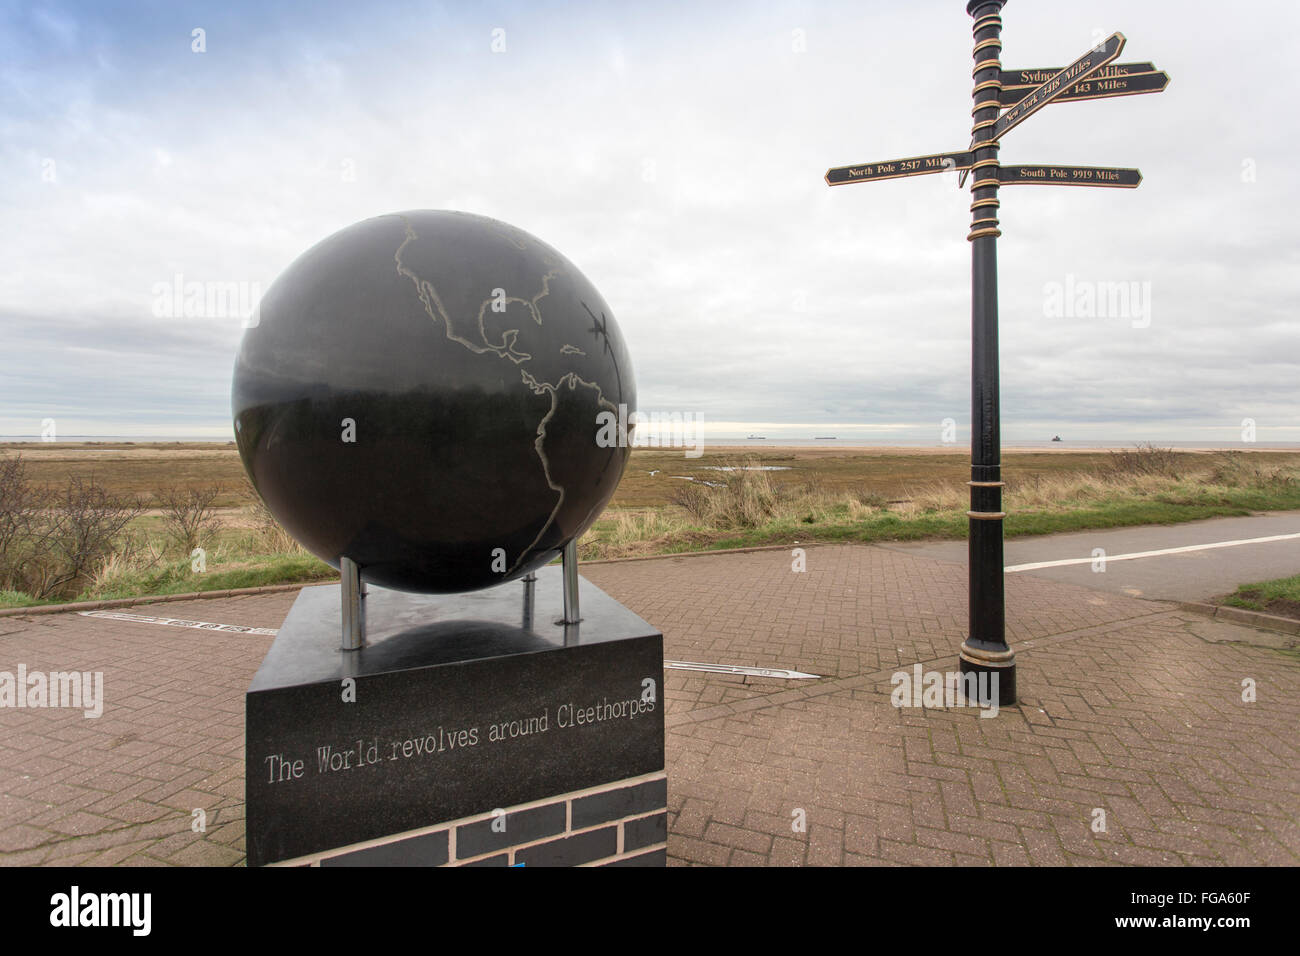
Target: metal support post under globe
[354, 604]
[530, 586]
[572, 615]
[985, 649]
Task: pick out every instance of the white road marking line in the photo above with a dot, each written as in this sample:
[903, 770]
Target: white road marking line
[1149, 554]
[178, 622]
[735, 669]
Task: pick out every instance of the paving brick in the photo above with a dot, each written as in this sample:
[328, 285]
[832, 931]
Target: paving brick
[697, 851]
[728, 835]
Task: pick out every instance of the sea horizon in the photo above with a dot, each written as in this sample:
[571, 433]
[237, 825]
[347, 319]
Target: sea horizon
[739, 441]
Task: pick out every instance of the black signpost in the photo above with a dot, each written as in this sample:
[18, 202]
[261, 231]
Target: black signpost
[1023, 92]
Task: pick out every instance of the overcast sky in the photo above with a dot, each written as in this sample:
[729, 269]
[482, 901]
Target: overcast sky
[675, 153]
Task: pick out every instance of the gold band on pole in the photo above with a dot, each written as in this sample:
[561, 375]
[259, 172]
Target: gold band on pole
[978, 233]
[994, 63]
[987, 658]
[993, 164]
[987, 484]
[986, 515]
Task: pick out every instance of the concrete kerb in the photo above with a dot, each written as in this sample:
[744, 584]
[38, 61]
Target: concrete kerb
[150, 599]
[1240, 615]
[705, 554]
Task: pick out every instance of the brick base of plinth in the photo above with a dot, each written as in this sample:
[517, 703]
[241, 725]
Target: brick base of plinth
[623, 823]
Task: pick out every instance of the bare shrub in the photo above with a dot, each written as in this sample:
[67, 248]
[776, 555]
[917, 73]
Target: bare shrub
[189, 514]
[1229, 469]
[1235, 469]
[72, 537]
[269, 531]
[746, 499]
[694, 500]
[20, 507]
[1144, 459]
[742, 497]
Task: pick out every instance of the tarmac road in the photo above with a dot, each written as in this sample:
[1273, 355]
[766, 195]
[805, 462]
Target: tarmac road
[1187, 576]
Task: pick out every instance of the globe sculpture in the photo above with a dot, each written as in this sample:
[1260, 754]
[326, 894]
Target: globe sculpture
[435, 396]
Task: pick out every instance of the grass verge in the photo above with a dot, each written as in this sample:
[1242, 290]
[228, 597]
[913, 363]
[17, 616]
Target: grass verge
[1280, 597]
[747, 508]
[736, 505]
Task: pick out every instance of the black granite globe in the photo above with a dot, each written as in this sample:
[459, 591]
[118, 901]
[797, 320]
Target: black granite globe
[435, 395]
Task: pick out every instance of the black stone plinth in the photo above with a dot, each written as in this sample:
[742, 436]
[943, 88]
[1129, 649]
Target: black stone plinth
[462, 704]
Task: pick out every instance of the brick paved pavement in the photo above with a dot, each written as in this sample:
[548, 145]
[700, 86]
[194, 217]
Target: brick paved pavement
[121, 788]
[1130, 707]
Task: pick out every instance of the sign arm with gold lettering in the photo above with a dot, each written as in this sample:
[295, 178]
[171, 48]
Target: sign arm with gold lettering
[1028, 79]
[1098, 87]
[897, 168]
[1070, 176]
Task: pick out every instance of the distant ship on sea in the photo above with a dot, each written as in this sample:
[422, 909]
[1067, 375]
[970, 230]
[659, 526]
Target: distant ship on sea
[757, 438]
[1057, 438]
[823, 438]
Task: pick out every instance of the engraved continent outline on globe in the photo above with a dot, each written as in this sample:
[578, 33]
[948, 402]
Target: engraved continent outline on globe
[473, 350]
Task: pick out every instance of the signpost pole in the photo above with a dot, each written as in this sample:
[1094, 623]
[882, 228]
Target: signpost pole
[985, 649]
